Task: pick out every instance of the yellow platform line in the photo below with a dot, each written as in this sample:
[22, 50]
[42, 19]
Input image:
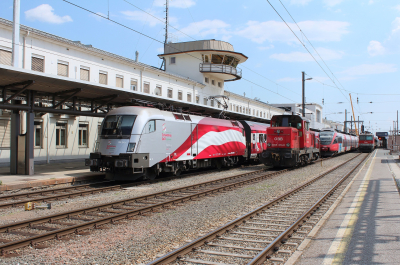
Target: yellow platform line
[338, 248]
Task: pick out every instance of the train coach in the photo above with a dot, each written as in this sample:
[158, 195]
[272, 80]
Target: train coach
[290, 142]
[368, 142]
[137, 142]
[334, 142]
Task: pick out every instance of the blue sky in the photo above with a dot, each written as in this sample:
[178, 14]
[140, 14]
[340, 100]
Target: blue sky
[359, 42]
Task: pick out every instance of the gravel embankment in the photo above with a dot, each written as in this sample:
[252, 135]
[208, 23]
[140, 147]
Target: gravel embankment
[139, 241]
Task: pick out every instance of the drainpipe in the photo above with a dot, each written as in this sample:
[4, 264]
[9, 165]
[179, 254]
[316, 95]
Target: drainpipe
[16, 27]
[141, 80]
[24, 50]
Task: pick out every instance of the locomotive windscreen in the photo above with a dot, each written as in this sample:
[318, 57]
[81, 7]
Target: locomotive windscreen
[366, 137]
[326, 137]
[286, 121]
[117, 126]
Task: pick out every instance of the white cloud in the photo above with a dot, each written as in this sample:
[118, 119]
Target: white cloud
[207, 27]
[141, 16]
[375, 48]
[263, 48]
[369, 69]
[278, 31]
[44, 13]
[176, 3]
[160, 50]
[300, 2]
[326, 54]
[332, 3]
[396, 26]
[397, 7]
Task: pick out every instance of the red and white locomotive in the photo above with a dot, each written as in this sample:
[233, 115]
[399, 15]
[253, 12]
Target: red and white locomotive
[144, 142]
[368, 142]
[290, 142]
[334, 142]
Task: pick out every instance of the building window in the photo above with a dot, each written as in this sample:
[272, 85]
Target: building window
[83, 135]
[179, 95]
[197, 99]
[212, 103]
[103, 78]
[146, 88]
[207, 80]
[158, 90]
[62, 68]
[134, 84]
[5, 57]
[172, 60]
[169, 93]
[219, 105]
[119, 81]
[213, 82]
[85, 73]
[37, 134]
[189, 97]
[38, 64]
[205, 101]
[61, 134]
[219, 84]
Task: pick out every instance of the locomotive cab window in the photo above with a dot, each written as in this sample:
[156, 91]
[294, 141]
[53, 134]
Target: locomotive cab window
[150, 126]
[118, 126]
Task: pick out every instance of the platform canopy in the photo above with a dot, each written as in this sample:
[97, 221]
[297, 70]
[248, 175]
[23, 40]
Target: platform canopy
[47, 93]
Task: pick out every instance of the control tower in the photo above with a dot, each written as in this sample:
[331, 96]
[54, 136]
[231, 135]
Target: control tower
[210, 62]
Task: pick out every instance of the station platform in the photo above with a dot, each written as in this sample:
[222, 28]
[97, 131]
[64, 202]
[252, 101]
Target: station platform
[47, 174]
[364, 226]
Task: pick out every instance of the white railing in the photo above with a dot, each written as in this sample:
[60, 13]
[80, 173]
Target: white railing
[221, 68]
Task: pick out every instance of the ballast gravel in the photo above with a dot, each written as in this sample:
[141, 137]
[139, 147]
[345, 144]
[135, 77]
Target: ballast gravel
[143, 239]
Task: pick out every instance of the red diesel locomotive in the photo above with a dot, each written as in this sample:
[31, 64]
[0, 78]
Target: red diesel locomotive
[290, 142]
[368, 142]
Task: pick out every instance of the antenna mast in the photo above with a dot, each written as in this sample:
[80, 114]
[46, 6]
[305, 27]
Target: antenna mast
[166, 21]
[164, 64]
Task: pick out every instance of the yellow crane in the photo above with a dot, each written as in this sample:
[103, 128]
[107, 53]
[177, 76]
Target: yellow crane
[354, 117]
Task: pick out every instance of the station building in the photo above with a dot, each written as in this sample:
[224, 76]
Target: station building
[194, 73]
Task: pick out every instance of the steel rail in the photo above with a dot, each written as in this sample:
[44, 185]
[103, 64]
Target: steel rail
[192, 246]
[110, 219]
[81, 192]
[281, 239]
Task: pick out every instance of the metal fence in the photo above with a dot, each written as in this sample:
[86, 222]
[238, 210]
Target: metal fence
[220, 68]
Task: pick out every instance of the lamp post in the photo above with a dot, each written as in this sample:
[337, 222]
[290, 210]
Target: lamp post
[303, 111]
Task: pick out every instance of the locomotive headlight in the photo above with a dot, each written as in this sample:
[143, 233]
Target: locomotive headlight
[269, 144]
[131, 147]
[288, 144]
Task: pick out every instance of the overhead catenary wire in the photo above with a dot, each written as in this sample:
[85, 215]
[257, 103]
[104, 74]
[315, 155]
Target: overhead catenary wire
[154, 39]
[196, 39]
[305, 47]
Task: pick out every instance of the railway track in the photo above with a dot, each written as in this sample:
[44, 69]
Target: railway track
[18, 199]
[33, 231]
[272, 232]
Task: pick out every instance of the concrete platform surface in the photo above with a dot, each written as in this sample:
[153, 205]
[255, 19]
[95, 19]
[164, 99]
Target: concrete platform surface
[47, 174]
[364, 228]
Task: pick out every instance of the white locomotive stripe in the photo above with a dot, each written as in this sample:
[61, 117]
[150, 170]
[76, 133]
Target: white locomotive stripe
[214, 138]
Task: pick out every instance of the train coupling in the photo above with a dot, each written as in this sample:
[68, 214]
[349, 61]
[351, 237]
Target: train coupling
[276, 157]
